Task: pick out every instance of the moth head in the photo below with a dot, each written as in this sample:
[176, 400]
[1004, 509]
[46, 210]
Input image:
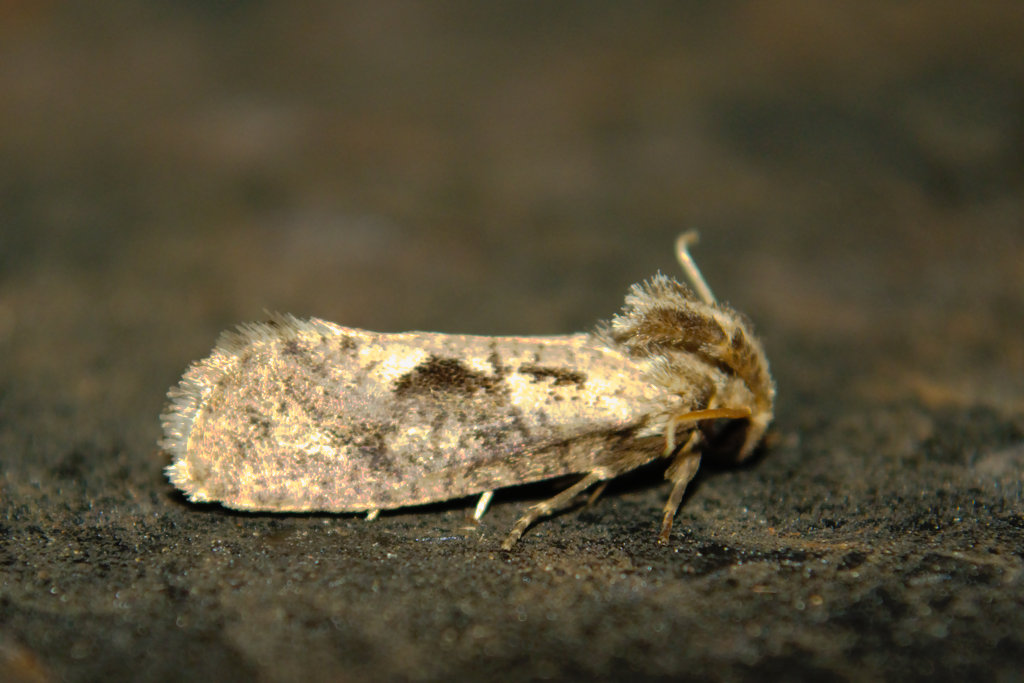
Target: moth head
[704, 352]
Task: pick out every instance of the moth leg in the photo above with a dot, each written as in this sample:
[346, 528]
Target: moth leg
[670, 435]
[680, 473]
[696, 416]
[546, 507]
[690, 266]
[482, 504]
[372, 514]
[596, 493]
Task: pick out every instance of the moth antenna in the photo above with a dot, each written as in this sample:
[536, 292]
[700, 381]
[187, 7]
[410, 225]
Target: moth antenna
[697, 281]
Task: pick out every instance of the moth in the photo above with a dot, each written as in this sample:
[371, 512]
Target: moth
[306, 415]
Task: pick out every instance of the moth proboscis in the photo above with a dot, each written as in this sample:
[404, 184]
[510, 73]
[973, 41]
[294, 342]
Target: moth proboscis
[305, 415]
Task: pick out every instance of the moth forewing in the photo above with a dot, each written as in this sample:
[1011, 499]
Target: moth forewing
[303, 415]
[308, 415]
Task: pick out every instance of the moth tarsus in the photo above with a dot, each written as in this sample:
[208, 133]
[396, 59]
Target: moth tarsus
[306, 415]
[482, 504]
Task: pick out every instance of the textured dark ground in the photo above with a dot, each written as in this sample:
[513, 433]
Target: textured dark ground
[857, 169]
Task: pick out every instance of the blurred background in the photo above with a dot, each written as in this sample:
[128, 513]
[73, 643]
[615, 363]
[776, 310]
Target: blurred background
[173, 167]
[170, 169]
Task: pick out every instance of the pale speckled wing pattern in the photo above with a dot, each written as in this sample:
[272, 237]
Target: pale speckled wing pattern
[308, 415]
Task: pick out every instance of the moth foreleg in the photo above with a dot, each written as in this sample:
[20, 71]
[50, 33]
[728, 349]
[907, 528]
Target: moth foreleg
[677, 419]
[680, 473]
[546, 507]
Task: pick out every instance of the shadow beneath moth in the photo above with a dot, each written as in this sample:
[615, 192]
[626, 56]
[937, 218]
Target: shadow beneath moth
[304, 415]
